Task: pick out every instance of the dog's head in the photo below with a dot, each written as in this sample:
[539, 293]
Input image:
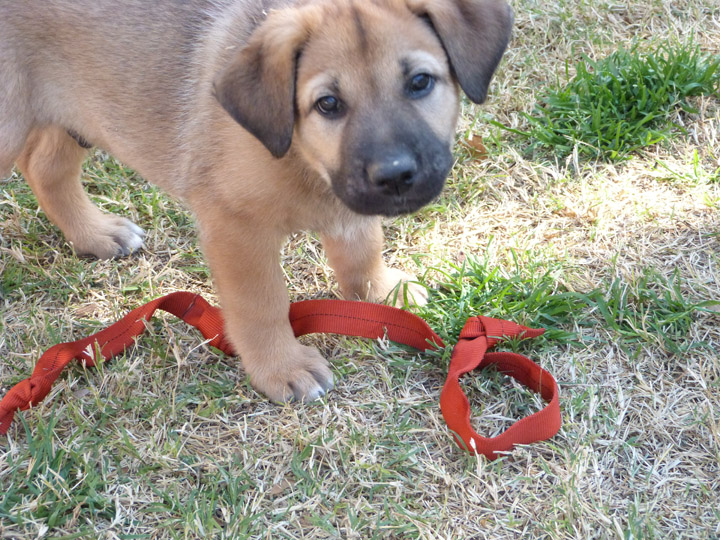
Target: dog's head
[367, 91]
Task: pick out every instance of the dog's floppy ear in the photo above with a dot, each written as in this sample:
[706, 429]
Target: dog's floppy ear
[257, 88]
[474, 34]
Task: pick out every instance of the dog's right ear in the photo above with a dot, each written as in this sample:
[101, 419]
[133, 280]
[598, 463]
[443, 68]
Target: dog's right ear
[257, 88]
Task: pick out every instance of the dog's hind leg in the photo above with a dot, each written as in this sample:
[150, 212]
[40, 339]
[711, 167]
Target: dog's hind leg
[14, 124]
[7, 158]
[12, 137]
[51, 162]
[13, 133]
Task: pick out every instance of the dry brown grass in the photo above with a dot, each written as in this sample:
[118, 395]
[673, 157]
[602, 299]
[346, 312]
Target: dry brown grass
[170, 441]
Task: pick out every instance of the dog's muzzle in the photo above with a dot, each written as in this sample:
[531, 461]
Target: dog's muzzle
[393, 181]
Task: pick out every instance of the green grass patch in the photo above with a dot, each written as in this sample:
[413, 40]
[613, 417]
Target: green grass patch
[621, 103]
[530, 296]
[649, 308]
[50, 480]
[646, 309]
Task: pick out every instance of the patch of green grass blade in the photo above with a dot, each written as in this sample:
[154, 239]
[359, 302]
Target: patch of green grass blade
[52, 481]
[650, 309]
[531, 298]
[621, 103]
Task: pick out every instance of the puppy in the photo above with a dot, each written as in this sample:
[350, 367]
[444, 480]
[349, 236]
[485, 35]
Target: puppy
[265, 116]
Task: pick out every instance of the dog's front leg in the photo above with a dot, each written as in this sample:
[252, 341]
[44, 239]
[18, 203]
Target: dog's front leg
[355, 255]
[244, 261]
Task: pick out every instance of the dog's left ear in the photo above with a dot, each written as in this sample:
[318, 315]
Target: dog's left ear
[474, 33]
[257, 88]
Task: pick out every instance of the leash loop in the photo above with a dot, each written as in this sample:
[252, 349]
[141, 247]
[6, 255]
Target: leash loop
[471, 352]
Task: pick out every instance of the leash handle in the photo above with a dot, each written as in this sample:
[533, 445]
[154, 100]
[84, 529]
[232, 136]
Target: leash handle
[348, 318]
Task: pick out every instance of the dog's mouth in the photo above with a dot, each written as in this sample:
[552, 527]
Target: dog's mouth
[374, 201]
[394, 183]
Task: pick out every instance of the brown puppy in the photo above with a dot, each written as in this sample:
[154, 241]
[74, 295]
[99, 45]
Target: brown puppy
[265, 116]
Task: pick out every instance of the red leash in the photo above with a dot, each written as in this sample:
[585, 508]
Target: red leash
[338, 317]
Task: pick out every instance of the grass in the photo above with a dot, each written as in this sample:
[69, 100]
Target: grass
[618, 259]
[619, 104]
[651, 308]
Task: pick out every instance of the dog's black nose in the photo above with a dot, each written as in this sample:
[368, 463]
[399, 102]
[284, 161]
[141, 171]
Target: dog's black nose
[394, 174]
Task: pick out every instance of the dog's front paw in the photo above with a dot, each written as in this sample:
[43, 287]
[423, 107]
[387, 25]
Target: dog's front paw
[107, 236]
[400, 289]
[300, 374]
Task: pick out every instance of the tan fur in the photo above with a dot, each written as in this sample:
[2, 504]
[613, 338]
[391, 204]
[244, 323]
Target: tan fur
[215, 102]
[51, 163]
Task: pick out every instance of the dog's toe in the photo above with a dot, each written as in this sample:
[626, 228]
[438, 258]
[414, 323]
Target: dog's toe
[128, 237]
[324, 383]
[109, 237]
[304, 377]
[400, 290]
[309, 385]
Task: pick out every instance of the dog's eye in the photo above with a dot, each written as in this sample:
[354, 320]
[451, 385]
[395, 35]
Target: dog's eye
[420, 85]
[329, 106]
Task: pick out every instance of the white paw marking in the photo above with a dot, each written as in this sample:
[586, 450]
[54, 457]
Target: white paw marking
[135, 241]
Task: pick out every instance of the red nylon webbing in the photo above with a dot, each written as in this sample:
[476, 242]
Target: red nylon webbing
[339, 317]
[477, 336]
